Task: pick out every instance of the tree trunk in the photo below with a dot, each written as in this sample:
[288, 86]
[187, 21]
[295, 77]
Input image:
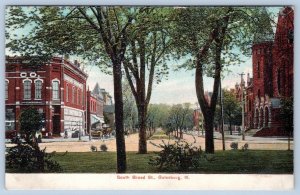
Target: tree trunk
[120, 140]
[289, 141]
[142, 133]
[230, 129]
[209, 133]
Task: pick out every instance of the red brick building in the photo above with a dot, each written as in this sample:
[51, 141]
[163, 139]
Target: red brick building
[95, 106]
[272, 63]
[56, 89]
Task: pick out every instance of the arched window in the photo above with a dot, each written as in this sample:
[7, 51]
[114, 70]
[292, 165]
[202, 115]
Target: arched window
[38, 89]
[6, 89]
[258, 93]
[67, 92]
[27, 89]
[55, 90]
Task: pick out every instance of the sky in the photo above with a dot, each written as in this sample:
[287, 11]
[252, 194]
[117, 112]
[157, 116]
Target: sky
[180, 85]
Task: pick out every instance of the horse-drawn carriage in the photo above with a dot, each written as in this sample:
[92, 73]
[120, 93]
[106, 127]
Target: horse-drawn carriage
[105, 132]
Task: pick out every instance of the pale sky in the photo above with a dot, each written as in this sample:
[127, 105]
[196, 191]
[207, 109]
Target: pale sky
[180, 86]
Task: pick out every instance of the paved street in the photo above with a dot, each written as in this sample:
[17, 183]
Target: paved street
[74, 145]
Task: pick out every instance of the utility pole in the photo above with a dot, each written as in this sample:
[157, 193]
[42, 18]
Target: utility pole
[222, 117]
[243, 114]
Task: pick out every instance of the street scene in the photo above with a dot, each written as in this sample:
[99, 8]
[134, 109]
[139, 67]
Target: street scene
[113, 89]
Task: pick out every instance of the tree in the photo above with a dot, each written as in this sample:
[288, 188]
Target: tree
[130, 111]
[146, 57]
[30, 123]
[287, 116]
[232, 110]
[157, 116]
[97, 34]
[180, 117]
[207, 37]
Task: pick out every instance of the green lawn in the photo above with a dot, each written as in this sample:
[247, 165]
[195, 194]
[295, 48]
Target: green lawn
[251, 161]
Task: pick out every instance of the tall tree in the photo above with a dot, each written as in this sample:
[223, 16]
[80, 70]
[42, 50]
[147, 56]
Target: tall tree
[94, 33]
[146, 57]
[208, 37]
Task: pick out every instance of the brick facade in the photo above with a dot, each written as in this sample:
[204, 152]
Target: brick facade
[57, 89]
[272, 64]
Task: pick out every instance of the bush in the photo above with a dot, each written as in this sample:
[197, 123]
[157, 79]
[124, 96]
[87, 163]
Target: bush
[180, 156]
[103, 148]
[25, 158]
[28, 157]
[234, 145]
[93, 148]
[245, 147]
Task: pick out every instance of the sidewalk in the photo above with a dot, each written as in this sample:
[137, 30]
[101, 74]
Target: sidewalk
[132, 141]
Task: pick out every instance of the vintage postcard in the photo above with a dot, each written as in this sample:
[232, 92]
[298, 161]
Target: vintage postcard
[149, 97]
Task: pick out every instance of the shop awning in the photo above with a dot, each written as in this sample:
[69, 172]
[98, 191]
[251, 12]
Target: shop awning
[95, 119]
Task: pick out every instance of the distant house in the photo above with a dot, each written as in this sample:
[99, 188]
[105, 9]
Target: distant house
[99, 107]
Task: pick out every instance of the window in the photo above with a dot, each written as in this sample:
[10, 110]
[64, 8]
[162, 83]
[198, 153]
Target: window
[78, 96]
[67, 93]
[6, 89]
[27, 89]
[38, 89]
[55, 90]
[291, 36]
[73, 94]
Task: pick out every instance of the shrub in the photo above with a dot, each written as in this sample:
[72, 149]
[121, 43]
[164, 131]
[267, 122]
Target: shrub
[25, 158]
[180, 156]
[28, 157]
[103, 148]
[93, 148]
[234, 145]
[245, 147]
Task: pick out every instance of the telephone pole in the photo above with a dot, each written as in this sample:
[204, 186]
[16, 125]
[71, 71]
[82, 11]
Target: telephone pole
[243, 112]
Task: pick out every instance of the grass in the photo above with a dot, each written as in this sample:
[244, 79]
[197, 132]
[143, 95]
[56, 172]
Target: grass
[160, 134]
[235, 162]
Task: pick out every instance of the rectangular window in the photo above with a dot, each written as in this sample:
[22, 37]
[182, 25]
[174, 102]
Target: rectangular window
[27, 90]
[78, 96]
[67, 93]
[55, 90]
[38, 89]
[73, 95]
